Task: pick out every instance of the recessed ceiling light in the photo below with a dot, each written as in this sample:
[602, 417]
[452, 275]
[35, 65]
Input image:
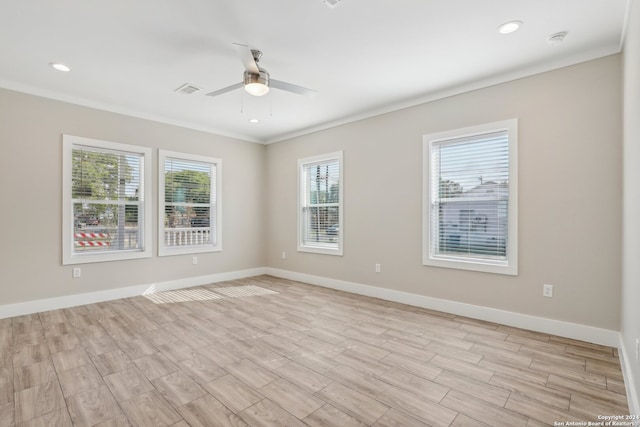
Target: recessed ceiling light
[254, 121]
[509, 27]
[557, 38]
[60, 67]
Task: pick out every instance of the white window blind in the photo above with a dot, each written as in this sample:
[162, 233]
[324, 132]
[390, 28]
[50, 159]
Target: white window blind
[469, 200]
[189, 203]
[105, 201]
[320, 213]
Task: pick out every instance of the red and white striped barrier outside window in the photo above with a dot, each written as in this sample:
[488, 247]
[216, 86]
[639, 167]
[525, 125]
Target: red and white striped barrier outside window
[92, 239]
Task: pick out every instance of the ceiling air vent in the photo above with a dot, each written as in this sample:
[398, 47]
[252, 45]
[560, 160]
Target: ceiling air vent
[187, 89]
[331, 3]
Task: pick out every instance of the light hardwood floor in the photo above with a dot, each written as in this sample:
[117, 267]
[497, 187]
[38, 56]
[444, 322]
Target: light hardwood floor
[270, 352]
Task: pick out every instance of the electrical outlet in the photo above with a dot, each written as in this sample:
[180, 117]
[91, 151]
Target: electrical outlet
[284, 255]
[547, 291]
[194, 260]
[77, 272]
[377, 268]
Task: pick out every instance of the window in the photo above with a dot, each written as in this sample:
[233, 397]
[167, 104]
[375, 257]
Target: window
[189, 195]
[470, 198]
[106, 201]
[320, 227]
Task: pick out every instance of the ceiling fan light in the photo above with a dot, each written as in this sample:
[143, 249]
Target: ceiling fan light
[256, 89]
[256, 84]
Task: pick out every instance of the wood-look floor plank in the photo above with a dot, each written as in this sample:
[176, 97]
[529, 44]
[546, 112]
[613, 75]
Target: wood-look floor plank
[292, 398]
[81, 378]
[7, 415]
[596, 394]
[207, 411]
[113, 361]
[57, 418]
[483, 411]
[395, 418]
[417, 385]
[463, 368]
[150, 409]
[330, 416]
[201, 369]
[128, 383]
[581, 375]
[303, 376]
[586, 409]
[544, 395]
[33, 402]
[7, 387]
[267, 414]
[491, 393]
[414, 366]
[432, 413]
[70, 359]
[352, 402]
[155, 365]
[235, 394]
[29, 354]
[63, 342]
[292, 354]
[92, 407]
[464, 421]
[535, 410]
[178, 388]
[26, 377]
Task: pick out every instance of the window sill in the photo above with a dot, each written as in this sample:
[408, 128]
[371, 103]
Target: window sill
[472, 265]
[320, 250]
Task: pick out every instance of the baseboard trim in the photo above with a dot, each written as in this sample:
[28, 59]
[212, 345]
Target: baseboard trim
[539, 324]
[36, 306]
[630, 386]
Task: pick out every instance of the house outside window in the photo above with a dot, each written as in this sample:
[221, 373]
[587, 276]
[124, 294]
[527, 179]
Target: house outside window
[189, 203]
[320, 210]
[106, 201]
[470, 198]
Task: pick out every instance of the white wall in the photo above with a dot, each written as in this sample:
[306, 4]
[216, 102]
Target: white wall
[570, 197]
[31, 131]
[630, 324]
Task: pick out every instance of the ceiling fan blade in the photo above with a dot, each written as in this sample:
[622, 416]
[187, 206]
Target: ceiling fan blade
[293, 88]
[247, 58]
[226, 89]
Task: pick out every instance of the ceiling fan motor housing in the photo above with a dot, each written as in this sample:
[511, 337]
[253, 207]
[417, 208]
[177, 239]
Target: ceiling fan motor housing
[261, 78]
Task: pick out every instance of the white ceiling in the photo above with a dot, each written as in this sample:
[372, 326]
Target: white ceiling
[364, 57]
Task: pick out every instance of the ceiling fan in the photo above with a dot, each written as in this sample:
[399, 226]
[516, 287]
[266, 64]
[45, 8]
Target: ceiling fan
[256, 79]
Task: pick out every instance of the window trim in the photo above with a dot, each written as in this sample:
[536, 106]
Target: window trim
[68, 256]
[194, 249]
[510, 267]
[301, 164]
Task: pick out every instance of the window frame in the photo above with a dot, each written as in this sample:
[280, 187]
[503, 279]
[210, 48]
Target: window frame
[463, 262]
[309, 161]
[69, 257]
[215, 191]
